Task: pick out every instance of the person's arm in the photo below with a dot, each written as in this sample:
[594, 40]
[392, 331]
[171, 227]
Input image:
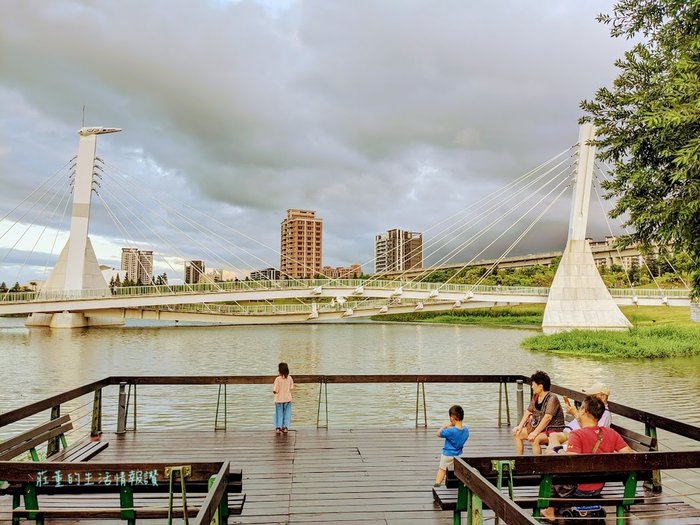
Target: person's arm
[274, 386]
[443, 427]
[540, 427]
[521, 425]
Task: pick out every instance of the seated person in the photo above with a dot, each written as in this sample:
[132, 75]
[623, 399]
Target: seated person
[543, 417]
[589, 439]
[599, 390]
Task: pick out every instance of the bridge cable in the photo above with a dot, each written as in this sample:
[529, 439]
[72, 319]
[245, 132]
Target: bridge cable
[55, 237]
[216, 256]
[493, 199]
[228, 240]
[544, 197]
[28, 228]
[37, 189]
[617, 248]
[429, 271]
[486, 228]
[475, 207]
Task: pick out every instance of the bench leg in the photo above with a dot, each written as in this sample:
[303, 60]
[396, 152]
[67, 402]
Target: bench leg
[463, 497]
[477, 513]
[16, 502]
[31, 502]
[126, 502]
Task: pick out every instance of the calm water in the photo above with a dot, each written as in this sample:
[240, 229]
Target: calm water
[40, 362]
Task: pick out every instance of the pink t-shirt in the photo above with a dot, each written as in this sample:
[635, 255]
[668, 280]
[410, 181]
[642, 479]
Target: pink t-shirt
[282, 388]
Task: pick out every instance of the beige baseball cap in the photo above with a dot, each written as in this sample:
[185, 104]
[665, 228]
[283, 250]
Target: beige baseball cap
[597, 388]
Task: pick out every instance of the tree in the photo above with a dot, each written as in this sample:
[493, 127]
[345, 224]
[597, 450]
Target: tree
[3, 287]
[649, 124]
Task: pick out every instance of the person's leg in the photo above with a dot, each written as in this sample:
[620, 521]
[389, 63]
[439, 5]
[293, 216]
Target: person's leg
[278, 415]
[440, 477]
[540, 439]
[520, 439]
[555, 440]
[445, 463]
[287, 415]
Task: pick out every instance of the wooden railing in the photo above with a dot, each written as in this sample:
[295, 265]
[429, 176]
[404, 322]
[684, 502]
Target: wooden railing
[651, 421]
[475, 489]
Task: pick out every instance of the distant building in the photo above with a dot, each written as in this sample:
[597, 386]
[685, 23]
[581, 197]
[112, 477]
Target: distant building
[343, 272]
[398, 250]
[138, 265]
[268, 274]
[301, 239]
[604, 255]
[193, 271]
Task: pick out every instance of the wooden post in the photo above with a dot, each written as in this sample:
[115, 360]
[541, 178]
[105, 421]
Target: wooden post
[421, 385]
[655, 483]
[54, 444]
[121, 409]
[96, 428]
[519, 399]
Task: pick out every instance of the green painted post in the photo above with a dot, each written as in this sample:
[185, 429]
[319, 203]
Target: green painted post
[126, 502]
[477, 511]
[462, 498]
[31, 502]
[53, 445]
[544, 495]
[210, 484]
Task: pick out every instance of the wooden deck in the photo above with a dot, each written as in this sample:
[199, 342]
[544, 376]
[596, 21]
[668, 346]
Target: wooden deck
[340, 476]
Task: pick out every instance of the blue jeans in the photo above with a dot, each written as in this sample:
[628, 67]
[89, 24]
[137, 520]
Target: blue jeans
[283, 414]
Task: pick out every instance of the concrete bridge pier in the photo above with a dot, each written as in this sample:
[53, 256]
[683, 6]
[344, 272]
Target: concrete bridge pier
[578, 298]
[77, 268]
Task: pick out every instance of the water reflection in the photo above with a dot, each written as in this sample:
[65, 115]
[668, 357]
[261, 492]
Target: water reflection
[40, 362]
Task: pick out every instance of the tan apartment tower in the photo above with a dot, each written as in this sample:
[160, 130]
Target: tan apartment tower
[398, 251]
[301, 253]
[138, 265]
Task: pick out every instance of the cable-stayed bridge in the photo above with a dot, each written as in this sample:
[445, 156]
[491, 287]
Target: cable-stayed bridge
[75, 294]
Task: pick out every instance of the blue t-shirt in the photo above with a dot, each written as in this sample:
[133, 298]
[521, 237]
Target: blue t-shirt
[455, 439]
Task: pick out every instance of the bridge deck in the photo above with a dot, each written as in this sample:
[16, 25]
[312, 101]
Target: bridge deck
[338, 476]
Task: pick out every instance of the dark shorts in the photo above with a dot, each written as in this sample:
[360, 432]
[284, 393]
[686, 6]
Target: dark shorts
[572, 491]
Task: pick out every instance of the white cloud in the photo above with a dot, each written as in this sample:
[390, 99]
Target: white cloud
[376, 114]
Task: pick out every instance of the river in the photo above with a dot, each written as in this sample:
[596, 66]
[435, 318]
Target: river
[40, 362]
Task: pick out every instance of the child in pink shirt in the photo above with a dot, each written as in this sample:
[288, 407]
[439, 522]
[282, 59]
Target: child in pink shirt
[282, 389]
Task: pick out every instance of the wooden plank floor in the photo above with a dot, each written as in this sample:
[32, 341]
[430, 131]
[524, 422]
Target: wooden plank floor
[326, 476]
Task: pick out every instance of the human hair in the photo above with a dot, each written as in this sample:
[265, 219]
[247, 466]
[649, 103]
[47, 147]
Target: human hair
[284, 369]
[457, 412]
[541, 378]
[594, 406]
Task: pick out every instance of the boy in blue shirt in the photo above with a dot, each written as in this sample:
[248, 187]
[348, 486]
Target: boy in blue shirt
[455, 435]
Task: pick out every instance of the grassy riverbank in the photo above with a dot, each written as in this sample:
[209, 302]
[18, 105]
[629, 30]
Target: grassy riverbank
[658, 331]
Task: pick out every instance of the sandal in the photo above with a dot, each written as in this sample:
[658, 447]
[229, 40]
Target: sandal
[285, 430]
[278, 430]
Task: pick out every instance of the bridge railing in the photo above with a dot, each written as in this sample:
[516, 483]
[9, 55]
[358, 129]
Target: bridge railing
[345, 287]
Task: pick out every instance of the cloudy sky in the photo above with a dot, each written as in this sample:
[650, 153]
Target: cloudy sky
[376, 114]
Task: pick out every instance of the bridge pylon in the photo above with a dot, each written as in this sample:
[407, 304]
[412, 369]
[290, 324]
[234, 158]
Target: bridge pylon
[77, 268]
[578, 298]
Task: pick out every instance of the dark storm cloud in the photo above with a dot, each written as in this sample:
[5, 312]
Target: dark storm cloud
[375, 114]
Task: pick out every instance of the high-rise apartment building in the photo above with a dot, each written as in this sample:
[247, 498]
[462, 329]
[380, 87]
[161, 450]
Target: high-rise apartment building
[194, 270]
[138, 265]
[301, 245]
[398, 250]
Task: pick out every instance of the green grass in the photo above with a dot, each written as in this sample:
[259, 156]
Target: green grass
[499, 315]
[658, 332]
[643, 342]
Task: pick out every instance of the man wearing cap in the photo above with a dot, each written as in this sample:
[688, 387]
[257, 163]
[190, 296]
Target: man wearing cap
[598, 390]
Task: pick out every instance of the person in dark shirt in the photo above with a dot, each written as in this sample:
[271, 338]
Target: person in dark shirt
[543, 417]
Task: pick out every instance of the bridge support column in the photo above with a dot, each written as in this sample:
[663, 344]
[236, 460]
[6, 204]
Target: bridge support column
[578, 298]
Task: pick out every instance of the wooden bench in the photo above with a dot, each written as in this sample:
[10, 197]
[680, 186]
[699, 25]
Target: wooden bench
[539, 473]
[55, 429]
[446, 497]
[129, 491]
